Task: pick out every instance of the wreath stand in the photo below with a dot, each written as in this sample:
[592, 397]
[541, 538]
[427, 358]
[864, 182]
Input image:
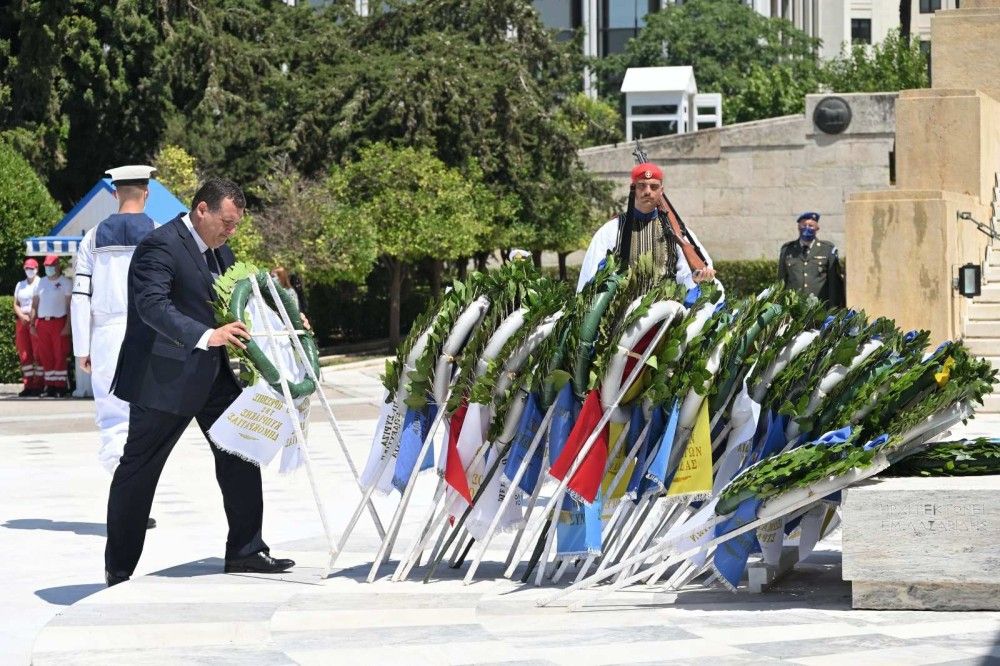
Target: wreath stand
[290, 332]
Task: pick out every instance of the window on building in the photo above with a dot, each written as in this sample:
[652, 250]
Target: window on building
[621, 20]
[651, 128]
[929, 6]
[861, 31]
[563, 16]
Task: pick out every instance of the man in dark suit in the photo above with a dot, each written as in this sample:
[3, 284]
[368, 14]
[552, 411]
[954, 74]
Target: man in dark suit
[173, 367]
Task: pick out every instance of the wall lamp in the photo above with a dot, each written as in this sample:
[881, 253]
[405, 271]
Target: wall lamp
[970, 280]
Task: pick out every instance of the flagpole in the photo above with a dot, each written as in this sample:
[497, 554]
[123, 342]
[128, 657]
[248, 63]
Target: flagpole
[618, 585]
[294, 416]
[508, 498]
[619, 444]
[527, 515]
[779, 505]
[460, 523]
[397, 517]
[418, 543]
[433, 522]
[585, 449]
[322, 398]
[550, 542]
[606, 540]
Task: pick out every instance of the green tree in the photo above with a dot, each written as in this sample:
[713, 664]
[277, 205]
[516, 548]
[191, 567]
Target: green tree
[724, 40]
[88, 81]
[250, 85]
[477, 82]
[177, 170]
[590, 122]
[415, 206]
[26, 209]
[896, 63]
[772, 91]
[302, 228]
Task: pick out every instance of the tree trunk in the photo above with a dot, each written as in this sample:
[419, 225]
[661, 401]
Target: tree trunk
[395, 289]
[481, 258]
[905, 9]
[536, 256]
[463, 267]
[562, 265]
[437, 270]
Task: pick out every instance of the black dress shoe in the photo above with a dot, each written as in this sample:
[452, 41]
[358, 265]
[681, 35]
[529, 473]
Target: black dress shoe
[151, 523]
[258, 563]
[29, 393]
[113, 579]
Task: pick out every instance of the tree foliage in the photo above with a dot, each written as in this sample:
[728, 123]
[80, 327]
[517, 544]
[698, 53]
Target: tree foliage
[896, 63]
[303, 229]
[177, 170]
[414, 206]
[89, 80]
[26, 209]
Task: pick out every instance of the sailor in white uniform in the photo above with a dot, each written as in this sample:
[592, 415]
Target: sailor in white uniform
[100, 301]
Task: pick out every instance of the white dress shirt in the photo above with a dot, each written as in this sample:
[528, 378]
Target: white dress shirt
[202, 246]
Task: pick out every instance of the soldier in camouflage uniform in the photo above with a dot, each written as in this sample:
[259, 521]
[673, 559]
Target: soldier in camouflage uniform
[810, 265]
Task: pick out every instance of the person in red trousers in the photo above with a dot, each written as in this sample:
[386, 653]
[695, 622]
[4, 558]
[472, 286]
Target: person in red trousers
[50, 316]
[24, 341]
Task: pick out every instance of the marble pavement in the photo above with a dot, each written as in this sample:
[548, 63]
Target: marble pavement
[180, 608]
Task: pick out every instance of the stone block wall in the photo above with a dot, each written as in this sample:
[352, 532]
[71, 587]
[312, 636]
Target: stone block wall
[740, 187]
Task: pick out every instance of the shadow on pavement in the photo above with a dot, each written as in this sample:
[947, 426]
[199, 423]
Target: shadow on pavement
[209, 566]
[67, 595]
[88, 529]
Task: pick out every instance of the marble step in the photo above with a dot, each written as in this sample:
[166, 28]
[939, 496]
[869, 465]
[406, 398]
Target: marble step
[991, 404]
[982, 329]
[984, 312]
[991, 294]
[988, 347]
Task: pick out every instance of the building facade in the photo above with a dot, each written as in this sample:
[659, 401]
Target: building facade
[607, 25]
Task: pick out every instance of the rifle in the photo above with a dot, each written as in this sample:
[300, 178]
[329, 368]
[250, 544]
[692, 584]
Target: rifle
[640, 157]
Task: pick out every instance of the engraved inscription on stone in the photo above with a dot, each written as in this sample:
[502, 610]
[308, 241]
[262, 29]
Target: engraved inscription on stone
[932, 517]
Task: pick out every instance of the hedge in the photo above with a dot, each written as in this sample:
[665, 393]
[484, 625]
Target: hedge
[26, 209]
[10, 369]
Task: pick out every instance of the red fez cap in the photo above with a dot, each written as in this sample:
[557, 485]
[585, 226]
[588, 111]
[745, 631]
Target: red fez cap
[30, 263]
[51, 259]
[647, 170]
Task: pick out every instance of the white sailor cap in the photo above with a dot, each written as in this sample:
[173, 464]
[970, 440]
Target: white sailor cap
[132, 172]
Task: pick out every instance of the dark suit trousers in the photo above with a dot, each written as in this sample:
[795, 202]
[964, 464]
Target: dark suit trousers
[151, 436]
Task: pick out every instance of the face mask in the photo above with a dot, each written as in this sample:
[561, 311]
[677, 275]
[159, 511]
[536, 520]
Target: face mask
[51, 270]
[30, 273]
[807, 233]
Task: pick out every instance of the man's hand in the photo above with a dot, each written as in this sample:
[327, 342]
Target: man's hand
[704, 275]
[84, 363]
[230, 334]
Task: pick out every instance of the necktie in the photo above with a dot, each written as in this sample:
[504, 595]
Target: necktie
[213, 262]
[695, 262]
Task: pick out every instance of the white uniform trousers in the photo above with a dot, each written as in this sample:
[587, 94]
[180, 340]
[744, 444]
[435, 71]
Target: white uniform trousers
[112, 412]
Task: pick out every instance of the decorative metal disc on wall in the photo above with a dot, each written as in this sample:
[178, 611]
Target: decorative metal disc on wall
[832, 115]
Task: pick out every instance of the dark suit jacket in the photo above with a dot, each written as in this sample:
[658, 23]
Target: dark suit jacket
[169, 308]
